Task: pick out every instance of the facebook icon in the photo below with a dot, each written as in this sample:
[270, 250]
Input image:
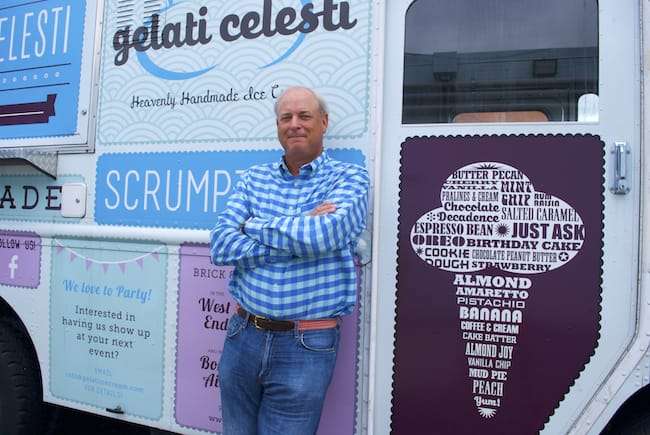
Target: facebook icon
[13, 266]
[20, 258]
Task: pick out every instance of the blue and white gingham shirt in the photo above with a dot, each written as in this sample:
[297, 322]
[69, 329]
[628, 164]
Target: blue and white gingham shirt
[290, 265]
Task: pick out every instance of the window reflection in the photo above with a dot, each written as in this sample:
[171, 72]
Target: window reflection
[499, 60]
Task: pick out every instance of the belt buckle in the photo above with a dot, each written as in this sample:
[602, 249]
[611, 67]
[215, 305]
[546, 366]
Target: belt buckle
[255, 319]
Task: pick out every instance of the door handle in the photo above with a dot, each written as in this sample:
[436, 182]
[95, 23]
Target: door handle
[620, 186]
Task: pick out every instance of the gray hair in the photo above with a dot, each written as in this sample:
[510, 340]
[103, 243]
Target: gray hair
[322, 105]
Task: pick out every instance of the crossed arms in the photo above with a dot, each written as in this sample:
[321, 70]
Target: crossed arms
[243, 240]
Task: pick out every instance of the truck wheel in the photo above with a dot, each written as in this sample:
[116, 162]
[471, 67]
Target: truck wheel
[633, 418]
[21, 401]
[638, 426]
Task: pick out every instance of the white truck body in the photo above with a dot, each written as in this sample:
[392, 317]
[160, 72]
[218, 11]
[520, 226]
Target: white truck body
[503, 274]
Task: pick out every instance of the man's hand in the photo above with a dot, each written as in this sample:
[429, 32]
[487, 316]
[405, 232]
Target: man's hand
[324, 208]
[242, 227]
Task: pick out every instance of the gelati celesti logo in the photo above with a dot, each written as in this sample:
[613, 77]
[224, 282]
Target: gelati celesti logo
[267, 22]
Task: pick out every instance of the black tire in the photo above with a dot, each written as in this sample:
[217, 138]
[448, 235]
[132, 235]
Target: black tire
[633, 418]
[21, 397]
[637, 426]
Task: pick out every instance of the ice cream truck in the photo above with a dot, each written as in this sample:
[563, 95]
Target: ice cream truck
[503, 281]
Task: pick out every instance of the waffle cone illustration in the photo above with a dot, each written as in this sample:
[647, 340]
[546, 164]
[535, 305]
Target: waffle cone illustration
[494, 232]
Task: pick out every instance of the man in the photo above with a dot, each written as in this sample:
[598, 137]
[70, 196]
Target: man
[289, 229]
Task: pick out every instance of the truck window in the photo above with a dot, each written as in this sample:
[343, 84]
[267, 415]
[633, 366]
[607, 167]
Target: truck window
[494, 61]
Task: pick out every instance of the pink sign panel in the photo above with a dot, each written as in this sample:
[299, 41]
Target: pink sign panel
[20, 259]
[204, 309]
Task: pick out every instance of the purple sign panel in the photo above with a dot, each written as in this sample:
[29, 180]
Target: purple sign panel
[20, 259]
[204, 309]
[499, 254]
[339, 410]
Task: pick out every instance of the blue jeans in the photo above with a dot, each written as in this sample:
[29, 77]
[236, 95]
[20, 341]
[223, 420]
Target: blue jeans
[274, 382]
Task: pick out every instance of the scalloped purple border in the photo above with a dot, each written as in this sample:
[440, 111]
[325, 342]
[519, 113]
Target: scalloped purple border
[602, 242]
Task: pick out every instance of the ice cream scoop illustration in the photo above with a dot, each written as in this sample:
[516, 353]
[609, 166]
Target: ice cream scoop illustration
[493, 231]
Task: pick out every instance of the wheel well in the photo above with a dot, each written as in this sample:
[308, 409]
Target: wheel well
[632, 413]
[6, 312]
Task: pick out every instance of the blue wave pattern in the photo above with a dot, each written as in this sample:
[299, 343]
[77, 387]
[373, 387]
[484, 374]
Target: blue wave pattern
[137, 107]
[291, 265]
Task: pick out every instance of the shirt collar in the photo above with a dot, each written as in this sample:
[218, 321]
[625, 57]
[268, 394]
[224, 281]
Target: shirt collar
[308, 168]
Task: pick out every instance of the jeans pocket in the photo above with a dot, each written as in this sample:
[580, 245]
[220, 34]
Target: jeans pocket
[235, 325]
[320, 340]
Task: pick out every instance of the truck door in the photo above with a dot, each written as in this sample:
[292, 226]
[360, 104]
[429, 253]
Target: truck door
[509, 212]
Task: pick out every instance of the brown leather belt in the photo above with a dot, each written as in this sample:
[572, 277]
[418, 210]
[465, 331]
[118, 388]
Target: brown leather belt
[286, 325]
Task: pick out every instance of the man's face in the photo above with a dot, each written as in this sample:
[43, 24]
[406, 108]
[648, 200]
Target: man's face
[301, 126]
